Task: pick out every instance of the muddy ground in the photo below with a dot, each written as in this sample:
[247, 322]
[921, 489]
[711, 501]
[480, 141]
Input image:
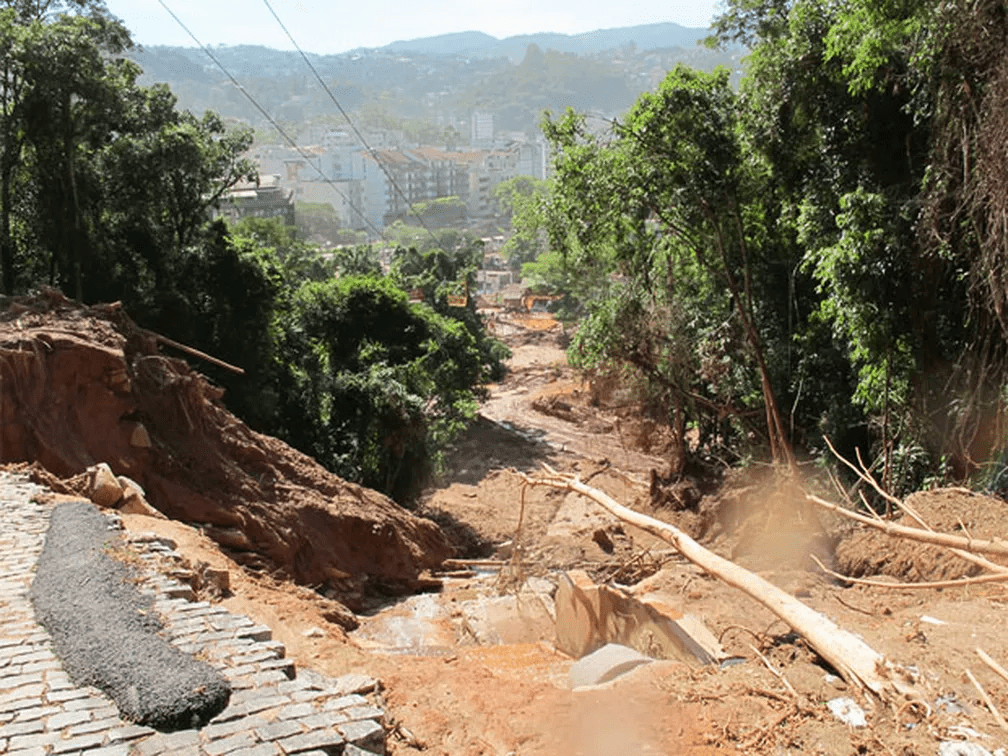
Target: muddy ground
[472, 670]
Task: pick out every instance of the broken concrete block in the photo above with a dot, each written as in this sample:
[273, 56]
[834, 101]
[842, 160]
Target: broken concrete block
[588, 616]
[104, 489]
[578, 622]
[605, 664]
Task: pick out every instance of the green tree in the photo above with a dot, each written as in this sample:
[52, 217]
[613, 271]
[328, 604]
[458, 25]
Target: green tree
[676, 172]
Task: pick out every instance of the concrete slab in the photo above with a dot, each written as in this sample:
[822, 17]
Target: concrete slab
[605, 664]
[588, 616]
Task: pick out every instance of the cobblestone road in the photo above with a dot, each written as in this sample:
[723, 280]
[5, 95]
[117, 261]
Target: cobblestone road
[274, 710]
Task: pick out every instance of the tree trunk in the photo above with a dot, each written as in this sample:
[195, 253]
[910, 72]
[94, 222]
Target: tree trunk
[677, 464]
[858, 663]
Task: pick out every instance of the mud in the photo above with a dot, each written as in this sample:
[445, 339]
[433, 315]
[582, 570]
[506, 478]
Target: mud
[76, 384]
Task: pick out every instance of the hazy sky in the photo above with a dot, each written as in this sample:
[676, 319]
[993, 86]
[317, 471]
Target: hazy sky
[329, 26]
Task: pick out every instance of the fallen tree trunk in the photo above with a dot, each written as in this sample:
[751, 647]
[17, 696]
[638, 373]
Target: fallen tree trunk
[975, 545]
[858, 663]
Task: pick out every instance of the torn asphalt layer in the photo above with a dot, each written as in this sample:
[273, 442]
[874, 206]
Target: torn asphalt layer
[105, 631]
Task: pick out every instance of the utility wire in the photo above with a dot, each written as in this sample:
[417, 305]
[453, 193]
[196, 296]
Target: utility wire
[360, 136]
[269, 118]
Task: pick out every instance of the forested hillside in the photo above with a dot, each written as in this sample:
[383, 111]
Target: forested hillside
[819, 254]
[436, 81]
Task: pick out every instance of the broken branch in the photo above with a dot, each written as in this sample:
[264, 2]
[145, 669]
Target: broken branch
[987, 700]
[997, 577]
[196, 353]
[917, 534]
[992, 664]
[855, 660]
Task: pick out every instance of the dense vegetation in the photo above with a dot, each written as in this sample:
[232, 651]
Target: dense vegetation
[820, 252]
[107, 192]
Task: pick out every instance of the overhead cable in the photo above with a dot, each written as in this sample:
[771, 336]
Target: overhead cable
[269, 118]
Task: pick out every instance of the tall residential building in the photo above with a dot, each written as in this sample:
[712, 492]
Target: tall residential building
[482, 128]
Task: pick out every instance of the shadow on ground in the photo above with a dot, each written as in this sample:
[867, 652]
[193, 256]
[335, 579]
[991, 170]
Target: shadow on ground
[488, 446]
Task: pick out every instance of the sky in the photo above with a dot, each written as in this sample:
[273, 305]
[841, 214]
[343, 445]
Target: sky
[333, 26]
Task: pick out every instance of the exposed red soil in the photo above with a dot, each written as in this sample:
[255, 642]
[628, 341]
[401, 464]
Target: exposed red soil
[76, 384]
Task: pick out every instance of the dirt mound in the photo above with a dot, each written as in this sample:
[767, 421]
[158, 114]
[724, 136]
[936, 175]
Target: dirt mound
[81, 385]
[865, 552]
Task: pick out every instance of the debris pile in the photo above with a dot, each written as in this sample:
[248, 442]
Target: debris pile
[81, 386]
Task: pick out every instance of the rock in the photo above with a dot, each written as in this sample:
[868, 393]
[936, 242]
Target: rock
[134, 500]
[104, 489]
[231, 538]
[140, 438]
[129, 485]
[314, 632]
[847, 711]
[961, 748]
[333, 611]
[605, 664]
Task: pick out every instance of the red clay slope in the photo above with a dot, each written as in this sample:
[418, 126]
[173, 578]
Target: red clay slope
[78, 381]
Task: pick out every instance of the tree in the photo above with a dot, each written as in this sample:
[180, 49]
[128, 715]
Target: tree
[675, 173]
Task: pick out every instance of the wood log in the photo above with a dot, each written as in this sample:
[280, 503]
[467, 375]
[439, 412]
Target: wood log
[858, 663]
[976, 545]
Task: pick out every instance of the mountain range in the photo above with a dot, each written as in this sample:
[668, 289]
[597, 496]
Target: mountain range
[480, 45]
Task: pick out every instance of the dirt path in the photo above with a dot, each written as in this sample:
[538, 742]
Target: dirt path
[473, 671]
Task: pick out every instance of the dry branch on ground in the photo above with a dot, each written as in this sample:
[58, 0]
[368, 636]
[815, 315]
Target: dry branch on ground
[855, 660]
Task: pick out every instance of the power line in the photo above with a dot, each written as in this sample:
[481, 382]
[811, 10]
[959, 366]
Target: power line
[360, 136]
[269, 118]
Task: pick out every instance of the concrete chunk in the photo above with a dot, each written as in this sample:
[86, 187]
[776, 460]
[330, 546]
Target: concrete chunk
[605, 664]
[588, 616]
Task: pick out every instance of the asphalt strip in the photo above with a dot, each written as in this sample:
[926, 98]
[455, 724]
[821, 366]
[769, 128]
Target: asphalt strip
[105, 631]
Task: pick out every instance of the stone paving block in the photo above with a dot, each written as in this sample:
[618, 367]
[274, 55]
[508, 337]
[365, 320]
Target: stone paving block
[256, 655]
[286, 666]
[119, 749]
[70, 694]
[263, 749]
[232, 743]
[38, 751]
[278, 730]
[79, 743]
[225, 729]
[365, 734]
[269, 677]
[103, 724]
[355, 683]
[352, 750]
[256, 632]
[345, 702]
[250, 707]
[36, 712]
[129, 732]
[35, 740]
[11, 729]
[25, 702]
[65, 719]
[294, 711]
[16, 681]
[325, 719]
[363, 712]
[41, 666]
[276, 646]
[319, 740]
